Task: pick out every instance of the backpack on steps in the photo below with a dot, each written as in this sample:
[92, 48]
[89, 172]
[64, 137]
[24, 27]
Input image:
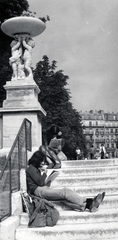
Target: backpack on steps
[44, 214]
[41, 211]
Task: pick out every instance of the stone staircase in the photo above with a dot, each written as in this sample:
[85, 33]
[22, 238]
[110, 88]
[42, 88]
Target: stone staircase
[88, 178]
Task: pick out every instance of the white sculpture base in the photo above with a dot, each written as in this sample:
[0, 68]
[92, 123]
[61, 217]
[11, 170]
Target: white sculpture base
[21, 102]
[21, 95]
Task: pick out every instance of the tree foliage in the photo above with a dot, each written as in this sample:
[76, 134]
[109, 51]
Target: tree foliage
[8, 9]
[12, 8]
[55, 99]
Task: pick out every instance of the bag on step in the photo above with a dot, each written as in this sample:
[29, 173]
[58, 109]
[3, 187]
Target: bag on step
[37, 220]
[44, 214]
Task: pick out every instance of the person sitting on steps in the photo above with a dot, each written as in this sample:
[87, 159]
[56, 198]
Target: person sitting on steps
[51, 151]
[35, 176]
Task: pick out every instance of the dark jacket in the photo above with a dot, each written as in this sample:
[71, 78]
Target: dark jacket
[34, 178]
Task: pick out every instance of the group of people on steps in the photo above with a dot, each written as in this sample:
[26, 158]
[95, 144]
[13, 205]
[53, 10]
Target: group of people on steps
[102, 152]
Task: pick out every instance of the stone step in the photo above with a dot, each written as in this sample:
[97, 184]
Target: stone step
[90, 163]
[69, 231]
[92, 190]
[74, 217]
[85, 180]
[109, 202]
[89, 171]
[105, 238]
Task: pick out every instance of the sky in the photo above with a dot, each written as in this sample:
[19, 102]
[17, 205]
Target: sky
[82, 36]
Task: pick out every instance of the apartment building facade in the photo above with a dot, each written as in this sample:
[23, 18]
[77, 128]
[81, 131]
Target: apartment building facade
[101, 128]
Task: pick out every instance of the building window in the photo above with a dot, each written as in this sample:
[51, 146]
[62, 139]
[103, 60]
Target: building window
[111, 130]
[96, 123]
[112, 145]
[107, 145]
[97, 133]
[97, 145]
[90, 123]
[91, 138]
[116, 143]
[102, 132]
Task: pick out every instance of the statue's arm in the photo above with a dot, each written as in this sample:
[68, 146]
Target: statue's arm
[16, 46]
[26, 45]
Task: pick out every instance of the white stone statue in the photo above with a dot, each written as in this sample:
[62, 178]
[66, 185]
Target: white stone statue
[22, 29]
[15, 60]
[21, 60]
[28, 44]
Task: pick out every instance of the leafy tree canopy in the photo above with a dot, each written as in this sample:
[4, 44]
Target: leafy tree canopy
[12, 8]
[55, 99]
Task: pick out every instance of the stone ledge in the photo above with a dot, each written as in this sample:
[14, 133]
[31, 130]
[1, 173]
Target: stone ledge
[31, 109]
[8, 227]
[71, 231]
[16, 204]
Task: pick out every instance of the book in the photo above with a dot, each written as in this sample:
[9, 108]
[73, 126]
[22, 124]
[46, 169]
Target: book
[51, 176]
